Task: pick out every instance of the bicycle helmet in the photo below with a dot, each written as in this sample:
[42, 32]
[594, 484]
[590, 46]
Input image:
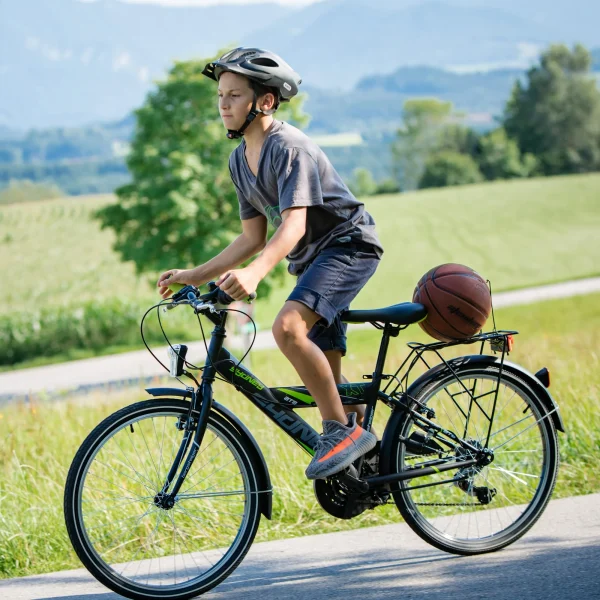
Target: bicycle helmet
[259, 66]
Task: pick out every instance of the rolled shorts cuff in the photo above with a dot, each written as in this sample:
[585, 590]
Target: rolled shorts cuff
[316, 302]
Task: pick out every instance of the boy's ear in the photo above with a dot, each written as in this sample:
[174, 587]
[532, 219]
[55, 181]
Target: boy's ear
[268, 102]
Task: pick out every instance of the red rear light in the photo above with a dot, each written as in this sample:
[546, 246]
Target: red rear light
[511, 342]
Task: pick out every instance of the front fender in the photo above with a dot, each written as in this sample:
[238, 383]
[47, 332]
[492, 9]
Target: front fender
[257, 458]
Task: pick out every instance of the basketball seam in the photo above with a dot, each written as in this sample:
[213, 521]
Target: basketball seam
[465, 300]
[442, 316]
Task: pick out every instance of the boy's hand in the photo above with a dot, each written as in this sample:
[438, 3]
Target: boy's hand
[172, 276]
[239, 283]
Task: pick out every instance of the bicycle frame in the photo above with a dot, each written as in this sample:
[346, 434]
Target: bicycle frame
[279, 404]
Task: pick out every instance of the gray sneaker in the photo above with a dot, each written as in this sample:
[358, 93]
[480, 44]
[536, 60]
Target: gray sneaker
[339, 446]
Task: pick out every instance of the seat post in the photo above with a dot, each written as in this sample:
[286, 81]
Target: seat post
[372, 390]
[388, 332]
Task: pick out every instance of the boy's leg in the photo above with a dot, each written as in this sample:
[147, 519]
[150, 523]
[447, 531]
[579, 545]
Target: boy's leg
[334, 358]
[290, 330]
[328, 284]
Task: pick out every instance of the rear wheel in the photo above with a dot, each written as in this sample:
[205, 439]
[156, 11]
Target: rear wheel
[483, 508]
[131, 544]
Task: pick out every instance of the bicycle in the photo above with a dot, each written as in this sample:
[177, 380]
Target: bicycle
[469, 455]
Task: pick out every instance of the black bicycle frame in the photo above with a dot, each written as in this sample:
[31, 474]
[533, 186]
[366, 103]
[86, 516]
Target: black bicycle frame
[279, 404]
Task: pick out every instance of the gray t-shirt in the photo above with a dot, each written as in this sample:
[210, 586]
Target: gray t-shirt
[294, 171]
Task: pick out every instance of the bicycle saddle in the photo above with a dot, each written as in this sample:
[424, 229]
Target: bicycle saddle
[399, 314]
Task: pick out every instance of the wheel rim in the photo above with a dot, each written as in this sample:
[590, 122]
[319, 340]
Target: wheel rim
[147, 546]
[453, 513]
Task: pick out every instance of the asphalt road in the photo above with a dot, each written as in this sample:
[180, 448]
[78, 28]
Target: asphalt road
[559, 558]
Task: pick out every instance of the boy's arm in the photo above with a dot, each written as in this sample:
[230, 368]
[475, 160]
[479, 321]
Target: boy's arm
[251, 241]
[239, 284]
[288, 234]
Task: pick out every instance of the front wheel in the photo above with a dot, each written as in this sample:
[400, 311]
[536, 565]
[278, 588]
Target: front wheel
[130, 543]
[482, 508]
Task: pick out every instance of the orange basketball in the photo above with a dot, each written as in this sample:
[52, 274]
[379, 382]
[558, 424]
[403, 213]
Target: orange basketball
[457, 299]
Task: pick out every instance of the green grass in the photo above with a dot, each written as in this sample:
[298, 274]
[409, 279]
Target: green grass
[39, 440]
[516, 233]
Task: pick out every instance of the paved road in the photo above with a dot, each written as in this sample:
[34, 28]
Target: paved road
[134, 367]
[559, 558]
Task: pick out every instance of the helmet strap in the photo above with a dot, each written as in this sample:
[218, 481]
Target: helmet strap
[233, 134]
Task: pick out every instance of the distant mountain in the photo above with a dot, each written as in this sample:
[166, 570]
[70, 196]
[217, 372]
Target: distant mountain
[66, 63]
[346, 40]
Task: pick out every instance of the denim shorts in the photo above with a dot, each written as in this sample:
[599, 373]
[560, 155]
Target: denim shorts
[328, 284]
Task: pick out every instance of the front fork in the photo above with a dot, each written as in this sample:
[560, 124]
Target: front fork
[202, 398]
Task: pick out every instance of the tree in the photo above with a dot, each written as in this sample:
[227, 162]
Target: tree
[180, 209]
[555, 115]
[363, 183]
[388, 186]
[422, 120]
[449, 168]
[499, 157]
[455, 137]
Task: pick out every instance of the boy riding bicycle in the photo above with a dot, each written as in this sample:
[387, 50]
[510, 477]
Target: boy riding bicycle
[283, 178]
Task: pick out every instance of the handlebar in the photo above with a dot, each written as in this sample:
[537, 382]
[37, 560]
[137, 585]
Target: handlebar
[215, 294]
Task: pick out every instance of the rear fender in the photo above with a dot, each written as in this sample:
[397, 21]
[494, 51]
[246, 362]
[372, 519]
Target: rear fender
[257, 458]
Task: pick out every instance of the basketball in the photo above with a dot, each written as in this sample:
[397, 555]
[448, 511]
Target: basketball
[457, 299]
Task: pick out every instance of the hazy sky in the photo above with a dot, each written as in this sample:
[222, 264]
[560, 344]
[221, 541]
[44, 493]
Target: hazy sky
[213, 2]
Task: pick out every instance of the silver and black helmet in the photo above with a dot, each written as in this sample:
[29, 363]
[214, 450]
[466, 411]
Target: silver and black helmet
[259, 66]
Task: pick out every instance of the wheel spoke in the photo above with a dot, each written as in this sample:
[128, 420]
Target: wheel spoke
[146, 544]
[453, 515]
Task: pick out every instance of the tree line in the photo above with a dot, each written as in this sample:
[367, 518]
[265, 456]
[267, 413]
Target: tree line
[550, 126]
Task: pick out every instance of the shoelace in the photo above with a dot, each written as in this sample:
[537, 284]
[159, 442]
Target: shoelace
[325, 444]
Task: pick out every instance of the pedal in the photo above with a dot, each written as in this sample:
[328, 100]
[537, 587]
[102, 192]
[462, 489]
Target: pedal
[349, 478]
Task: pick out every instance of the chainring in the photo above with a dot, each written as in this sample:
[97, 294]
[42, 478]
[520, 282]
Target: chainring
[340, 501]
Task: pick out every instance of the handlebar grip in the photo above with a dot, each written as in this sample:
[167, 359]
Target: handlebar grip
[224, 298]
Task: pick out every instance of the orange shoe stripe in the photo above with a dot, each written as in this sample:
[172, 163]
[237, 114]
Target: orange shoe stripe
[343, 444]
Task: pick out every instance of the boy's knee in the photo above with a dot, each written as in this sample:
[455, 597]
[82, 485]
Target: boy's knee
[288, 329]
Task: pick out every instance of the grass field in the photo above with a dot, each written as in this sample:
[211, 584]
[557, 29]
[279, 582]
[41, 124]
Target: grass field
[39, 440]
[517, 234]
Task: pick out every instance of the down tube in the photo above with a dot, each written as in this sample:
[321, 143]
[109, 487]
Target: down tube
[260, 395]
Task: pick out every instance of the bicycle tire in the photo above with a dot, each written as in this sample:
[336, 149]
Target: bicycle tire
[223, 443]
[537, 431]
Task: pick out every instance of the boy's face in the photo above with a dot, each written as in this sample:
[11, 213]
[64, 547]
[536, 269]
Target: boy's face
[235, 99]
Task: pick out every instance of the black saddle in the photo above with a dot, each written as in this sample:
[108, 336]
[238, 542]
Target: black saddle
[398, 314]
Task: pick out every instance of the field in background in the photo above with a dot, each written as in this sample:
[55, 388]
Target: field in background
[516, 233]
[39, 440]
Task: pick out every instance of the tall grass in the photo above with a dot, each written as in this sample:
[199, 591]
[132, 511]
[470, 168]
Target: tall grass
[40, 439]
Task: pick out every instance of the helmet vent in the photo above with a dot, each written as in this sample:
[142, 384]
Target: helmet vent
[245, 55]
[264, 62]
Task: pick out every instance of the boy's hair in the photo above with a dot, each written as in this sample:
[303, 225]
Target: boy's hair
[261, 90]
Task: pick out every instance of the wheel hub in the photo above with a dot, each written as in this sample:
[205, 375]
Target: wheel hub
[164, 501]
